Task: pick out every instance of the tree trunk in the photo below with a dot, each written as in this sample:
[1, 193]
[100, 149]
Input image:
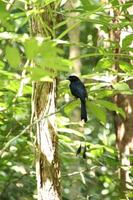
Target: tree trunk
[47, 165]
[74, 35]
[124, 137]
[43, 109]
[124, 127]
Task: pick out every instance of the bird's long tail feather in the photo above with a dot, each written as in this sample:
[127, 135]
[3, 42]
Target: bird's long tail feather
[83, 110]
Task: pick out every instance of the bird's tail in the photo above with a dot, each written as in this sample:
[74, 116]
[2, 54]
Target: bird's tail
[83, 110]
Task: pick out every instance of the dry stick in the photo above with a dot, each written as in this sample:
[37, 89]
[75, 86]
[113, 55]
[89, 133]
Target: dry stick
[78, 172]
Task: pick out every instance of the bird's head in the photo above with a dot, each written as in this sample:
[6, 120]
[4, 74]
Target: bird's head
[73, 78]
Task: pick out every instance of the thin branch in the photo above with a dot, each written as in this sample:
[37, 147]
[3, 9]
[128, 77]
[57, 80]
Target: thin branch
[102, 54]
[10, 4]
[28, 127]
[79, 172]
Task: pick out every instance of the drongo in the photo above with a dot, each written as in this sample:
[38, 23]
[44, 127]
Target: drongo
[79, 91]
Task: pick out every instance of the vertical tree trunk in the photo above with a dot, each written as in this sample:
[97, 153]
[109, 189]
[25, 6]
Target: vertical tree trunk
[74, 35]
[73, 25]
[47, 165]
[124, 127]
[124, 137]
[44, 105]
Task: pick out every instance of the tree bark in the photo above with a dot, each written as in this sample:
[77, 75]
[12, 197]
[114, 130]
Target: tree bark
[124, 127]
[124, 137]
[47, 164]
[43, 109]
[74, 35]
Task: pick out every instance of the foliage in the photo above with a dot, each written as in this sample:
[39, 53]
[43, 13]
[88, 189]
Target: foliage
[97, 176]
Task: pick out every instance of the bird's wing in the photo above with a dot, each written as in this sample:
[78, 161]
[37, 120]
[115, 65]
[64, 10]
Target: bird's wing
[78, 90]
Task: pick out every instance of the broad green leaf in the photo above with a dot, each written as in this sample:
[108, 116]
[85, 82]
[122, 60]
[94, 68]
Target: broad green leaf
[13, 86]
[97, 152]
[38, 74]
[97, 111]
[49, 49]
[104, 63]
[110, 149]
[127, 41]
[104, 93]
[71, 131]
[50, 57]
[65, 138]
[56, 63]
[6, 73]
[90, 5]
[121, 86]
[68, 108]
[5, 17]
[98, 86]
[13, 56]
[3, 12]
[66, 142]
[111, 106]
[114, 2]
[31, 48]
[126, 67]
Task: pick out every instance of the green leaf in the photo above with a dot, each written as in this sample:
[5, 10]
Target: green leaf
[69, 107]
[5, 17]
[49, 1]
[90, 5]
[31, 48]
[49, 49]
[49, 57]
[114, 2]
[13, 56]
[98, 86]
[121, 86]
[71, 131]
[97, 152]
[104, 93]
[97, 111]
[65, 138]
[38, 74]
[126, 67]
[2, 64]
[6, 74]
[3, 12]
[127, 41]
[104, 63]
[111, 106]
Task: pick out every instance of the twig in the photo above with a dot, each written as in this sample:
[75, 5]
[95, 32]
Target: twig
[28, 127]
[79, 172]
[10, 4]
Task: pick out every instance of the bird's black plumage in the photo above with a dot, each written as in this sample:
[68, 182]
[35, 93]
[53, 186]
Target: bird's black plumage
[79, 91]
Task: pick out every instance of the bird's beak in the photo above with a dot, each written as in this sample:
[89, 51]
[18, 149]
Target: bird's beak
[67, 78]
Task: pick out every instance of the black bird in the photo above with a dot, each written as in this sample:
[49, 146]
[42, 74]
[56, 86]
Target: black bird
[79, 91]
